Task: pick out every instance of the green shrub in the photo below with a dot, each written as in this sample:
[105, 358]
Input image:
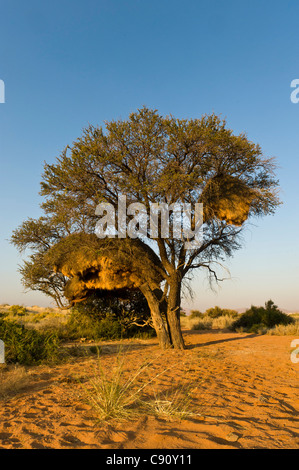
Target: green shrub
[80, 325]
[17, 310]
[110, 317]
[216, 312]
[259, 319]
[202, 325]
[195, 314]
[26, 346]
[37, 317]
[109, 328]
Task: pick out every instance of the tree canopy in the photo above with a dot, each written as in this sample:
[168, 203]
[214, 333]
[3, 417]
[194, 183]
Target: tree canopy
[150, 159]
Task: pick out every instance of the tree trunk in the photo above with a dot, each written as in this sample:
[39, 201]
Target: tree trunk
[155, 306]
[173, 314]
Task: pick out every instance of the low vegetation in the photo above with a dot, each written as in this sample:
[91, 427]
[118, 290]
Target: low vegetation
[212, 318]
[119, 395]
[27, 346]
[291, 329]
[217, 312]
[261, 319]
[88, 321]
[13, 380]
[112, 395]
[34, 336]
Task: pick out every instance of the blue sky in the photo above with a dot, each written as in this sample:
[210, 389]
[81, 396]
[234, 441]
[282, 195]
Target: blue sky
[66, 64]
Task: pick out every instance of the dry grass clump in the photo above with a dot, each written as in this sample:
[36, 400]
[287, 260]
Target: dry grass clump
[12, 380]
[207, 323]
[116, 394]
[295, 316]
[222, 322]
[113, 394]
[284, 330]
[189, 323]
[174, 403]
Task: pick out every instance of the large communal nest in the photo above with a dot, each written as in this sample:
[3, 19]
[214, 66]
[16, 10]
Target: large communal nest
[227, 198]
[92, 264]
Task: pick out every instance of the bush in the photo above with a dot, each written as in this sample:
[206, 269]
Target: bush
[82, 325]
[13, 381]
[109, 317]
[216, 312]
[259, 319]
[79, 325]
[195, 314]
[18, 310]
[25, 346]
[203, 324]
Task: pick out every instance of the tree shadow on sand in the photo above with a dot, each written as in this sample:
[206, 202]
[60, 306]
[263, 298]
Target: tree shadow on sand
[218, 341]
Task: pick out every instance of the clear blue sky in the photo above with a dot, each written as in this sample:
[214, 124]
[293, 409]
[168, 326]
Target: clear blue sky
[69, 63]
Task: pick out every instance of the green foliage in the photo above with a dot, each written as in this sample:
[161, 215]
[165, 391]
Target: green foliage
[80, 325]
[38, 317]
[109, 318]
[26, 346]
[216, 312]
[119, 303]
[149, 158]
[202, 325]
[258, 319]
[142, 158]
[18, 310]
[195, 314]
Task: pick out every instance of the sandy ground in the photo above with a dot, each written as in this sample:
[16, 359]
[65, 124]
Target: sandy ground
[244, 395]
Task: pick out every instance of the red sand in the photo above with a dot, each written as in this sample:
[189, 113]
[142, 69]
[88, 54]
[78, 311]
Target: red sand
[245, 395]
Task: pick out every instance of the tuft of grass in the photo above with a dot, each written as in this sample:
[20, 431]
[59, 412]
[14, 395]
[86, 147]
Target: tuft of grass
[223, 322]
[285, 330]
[112, 395]
[117, 394]
[12, 380]
[194, 323]
[207, 323]
[171, 404]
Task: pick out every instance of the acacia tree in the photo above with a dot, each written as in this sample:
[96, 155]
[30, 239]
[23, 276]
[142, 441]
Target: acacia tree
[155, 159]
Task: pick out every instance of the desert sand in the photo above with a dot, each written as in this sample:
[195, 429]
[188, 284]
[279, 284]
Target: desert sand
[244, 391]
